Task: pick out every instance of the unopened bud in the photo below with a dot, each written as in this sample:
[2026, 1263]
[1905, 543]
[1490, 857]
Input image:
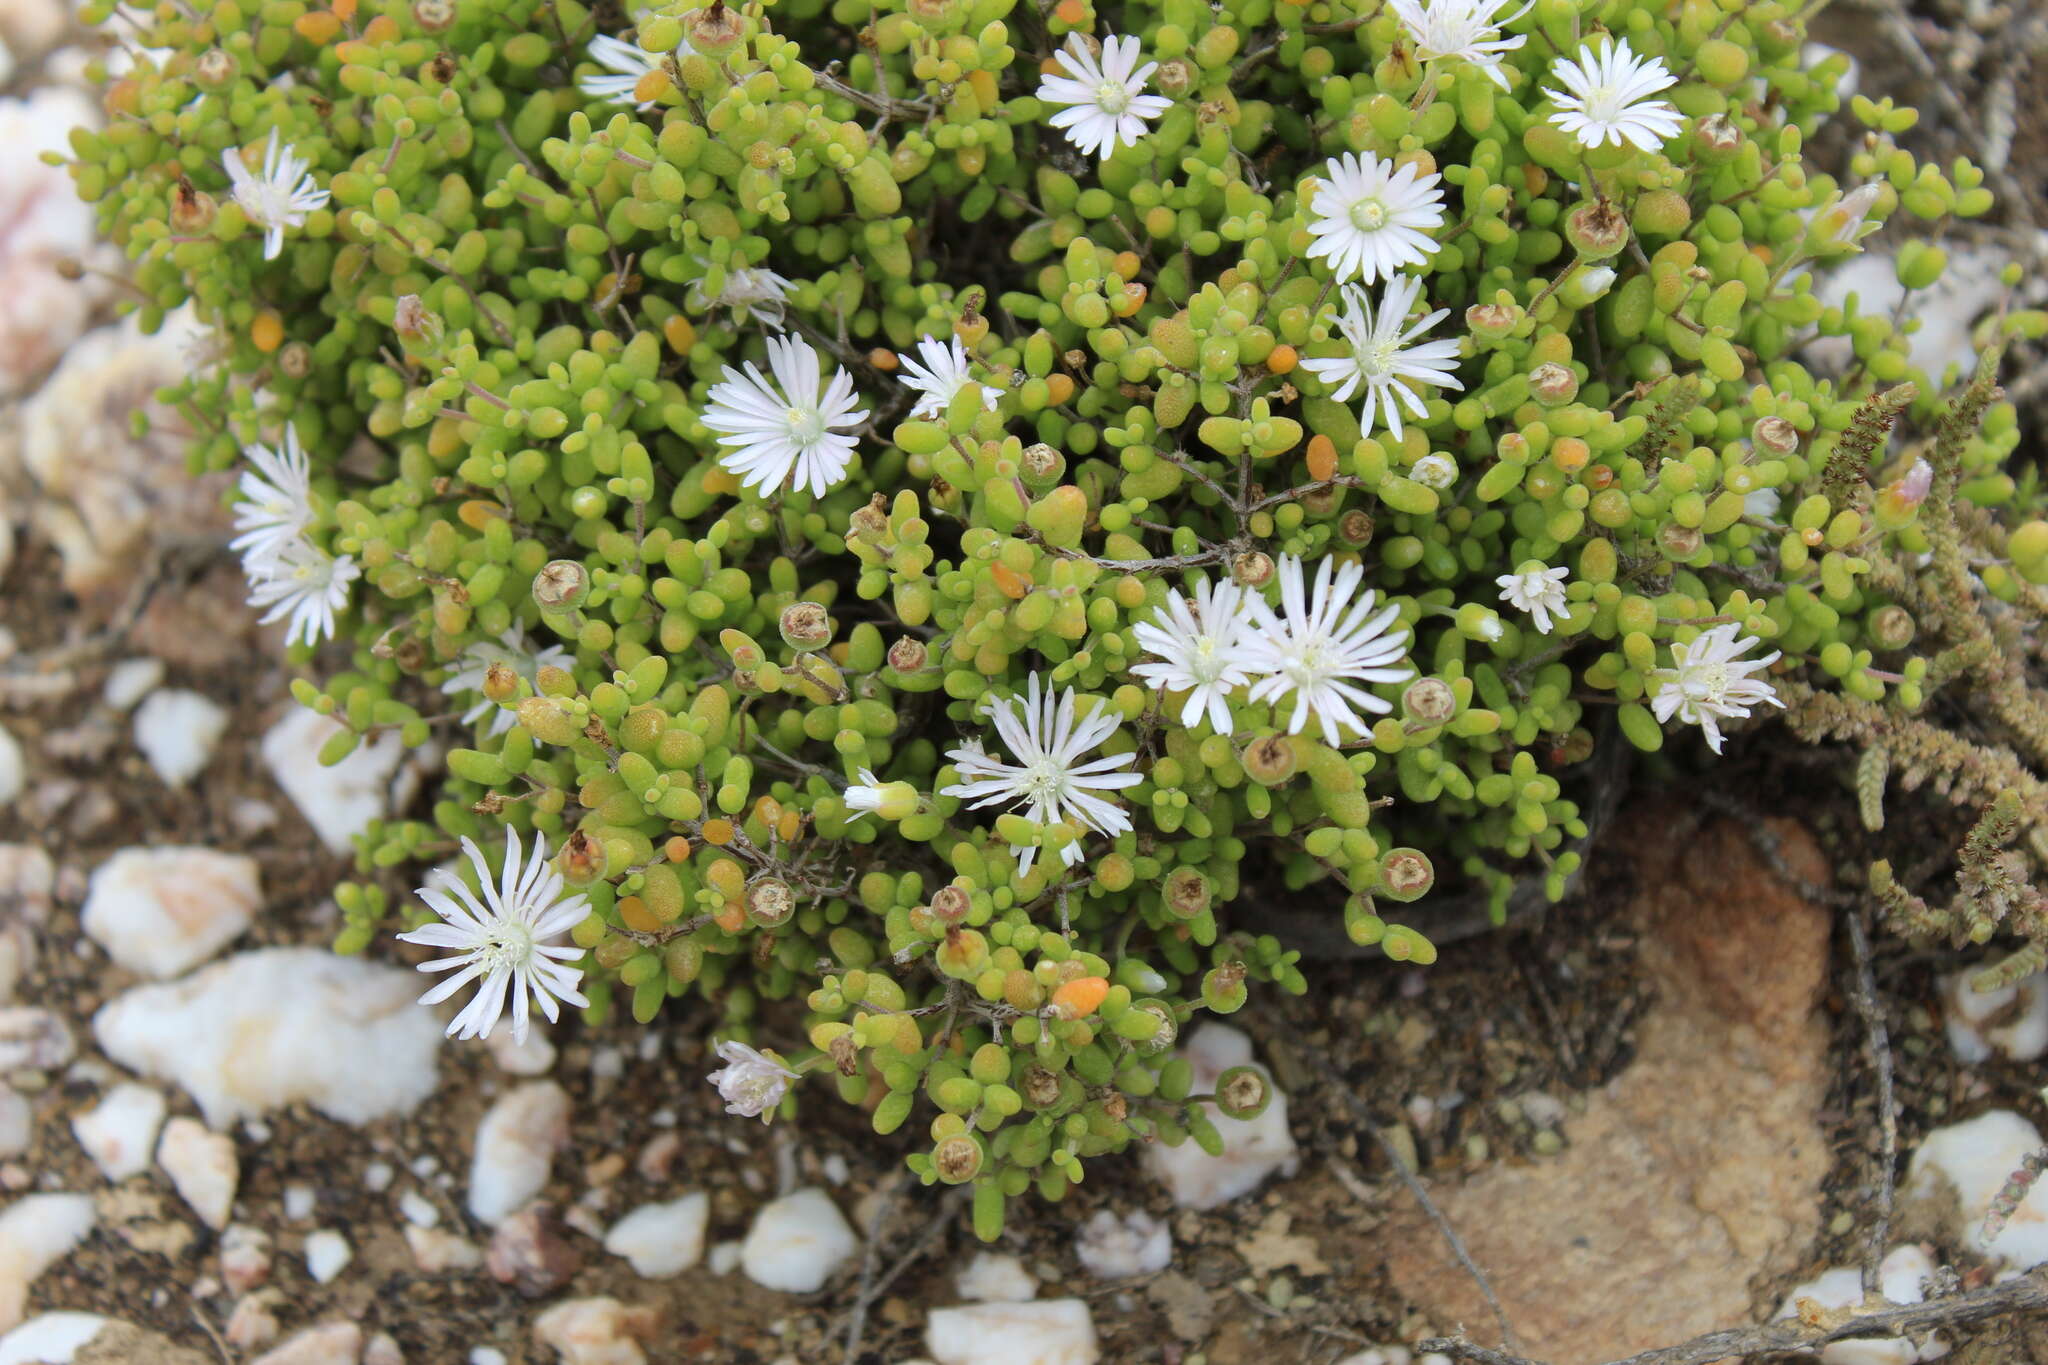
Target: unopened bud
[561, 585]
[1892, 627]
[501, 681]
[805, 626]
[714, 30]
[1187, 892]
[1270, 760]
[770, 902]
[909, 655]
[1429, 701]
[1597, 230]
[422, 331]
[1554, 385]
[1355, 528]
[957, 1159]
[1243, 1092]
[1679, 543]
[1775, 434]
[1406, 874]
[295, 360]
[214, 69]
[1252, 569]
[192, 211]
[582, 859]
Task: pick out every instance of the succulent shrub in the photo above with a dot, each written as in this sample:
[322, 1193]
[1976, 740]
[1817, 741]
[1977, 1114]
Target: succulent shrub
[927, 513]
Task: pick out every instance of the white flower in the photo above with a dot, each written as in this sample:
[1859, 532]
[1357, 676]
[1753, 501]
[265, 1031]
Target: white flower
[1536, 590]
[785, 436]
[303, 582]
[1048, 741]
[277, 499]
[277, 198]
[937, 373]
[1322, 644]
[751, 1083]
[627, 63]
[1103, 103]
[1462, 28]
[500, 936]
[1761, 503]
[749, 290]
[864, 796]
[512, 650]
[1435, 470]
[1371, 219]
[1607, 97]
[1381, 356]
[1203, 650]
[1708, 683]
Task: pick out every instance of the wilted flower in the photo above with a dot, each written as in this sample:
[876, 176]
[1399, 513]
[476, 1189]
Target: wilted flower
[751, 1083]
[1535, 589]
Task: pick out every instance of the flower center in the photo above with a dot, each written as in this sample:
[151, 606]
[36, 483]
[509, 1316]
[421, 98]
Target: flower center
[1044, 781]
[1604, 104]
[266, 201]
[507, 946]
[1112, 98]
[1705, 682]
[1376, 360]
[1368, 215]
[805, 427]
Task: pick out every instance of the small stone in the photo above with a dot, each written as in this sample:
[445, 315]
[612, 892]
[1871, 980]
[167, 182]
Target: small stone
[327, 1254]
[1113, 1248]
[597, 1331]
[377, 1176]
[253, 1323]
[529, 1252]
[341, 801]
[797, 1241]
[13, 768]
[51, 1338]
[130, 680]
[1902, 1279]
[17, 948]
[17, 1122]
[419, 1210]
[534, 1057]
[203, 1168]
[437, 1251]
[487, 1355]
[383, 1350]
[1958, 1171]
[244, 1257]
[177, 731]
[162, 911]
[119, 1131]
[1253, 1149]
[33, 1038]
[36, 1232]
[660, 1240]
[515, 1145]
[333, 1343]
[658, 1156]
[1043, 1332]
[995, 1277]
[257, 1031]
[724, 1258]
[2011, 1021]
[27, 880]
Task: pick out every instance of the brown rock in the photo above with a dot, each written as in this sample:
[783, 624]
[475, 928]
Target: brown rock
[529, 1252]
[1696, 1169]
[119, 1343]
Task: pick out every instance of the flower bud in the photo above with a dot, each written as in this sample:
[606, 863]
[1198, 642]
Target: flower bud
[1040, 1088]
[1435, 470]
[1406, 874]
[1774, 434]
[957, 1159]
[1270, 760]
[909, 655]
[1041, 466]
[1596, 230]
[422, 331]
[1493, 321]
[1587, 284]
[769, 901]
[1243, 1092]
[1223, 988]
[1355, 528]
[1186, 892]
[561, 585]
[435, 16]
[805, 626]
[1252, 569]
[192, 211]
[1429, 701]
[950, 904]
[295, 360]
[714, 30]
[501, 682]
[1716, 138]
[1554, 385]
[1892, 627]
[581, 860]
[215, 68]
[1679, 543]
[1478, 622]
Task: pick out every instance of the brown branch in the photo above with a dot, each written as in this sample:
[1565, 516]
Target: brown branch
[1881, 1058]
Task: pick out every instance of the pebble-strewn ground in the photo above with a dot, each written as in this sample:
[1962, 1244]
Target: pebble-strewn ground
[218, 1141]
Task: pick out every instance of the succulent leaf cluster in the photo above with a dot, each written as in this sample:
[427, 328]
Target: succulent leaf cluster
[745, 716]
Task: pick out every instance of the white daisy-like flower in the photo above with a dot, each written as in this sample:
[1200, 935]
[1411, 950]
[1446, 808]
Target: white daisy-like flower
[751, 291]
[624, 64]
[1322, 646]
[1370, 218]
[1537, 590]
[500, 934]
[1709, 682]
[1104, 103]
[1435, 470]
[302, 582]
[1201, 650]
[1467, 29]
[1048, 740]
[512, 650]
[938, 372]
[751, 1083]
[277, 499]
[1606, 97]
[1382, 357]
[784, 435]
[277, 197]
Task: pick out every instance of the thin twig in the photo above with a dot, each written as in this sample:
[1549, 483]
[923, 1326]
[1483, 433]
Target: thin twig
[1881, 1058]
